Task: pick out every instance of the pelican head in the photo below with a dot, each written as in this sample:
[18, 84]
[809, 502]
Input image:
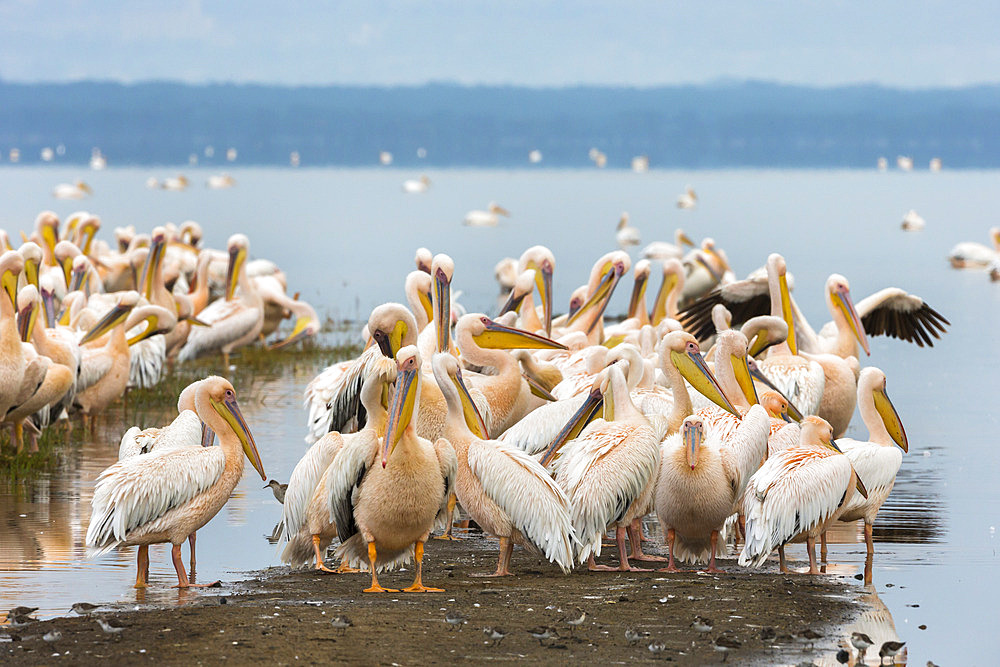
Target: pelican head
[27, 311]
[115, 316]
[673, 276]
[33, 257]
[732, 346]
[604, 277]
[222, 397]
[872, 379]
[86, 230]
[47, 289]
[65, 252]
[680, 349]
[583, 416]
[418, 294]
[523, 284]
[11, 265]
[442, 270]
[505, 272]
[577, 299]
[681, 239]
[448, 373]
[641, 275]
[498, 209]
[239, 248]
[47, 226]
[762, 332]
[838, 295]
[758, 376]
[817, 431]
[405, 399]
[392, 327]
[423, 258]
[124, 236]
[541, 259]
[190, 232]
[80, 273]
[692, 434]
[775, 404]
[489, 334]
[306, 324]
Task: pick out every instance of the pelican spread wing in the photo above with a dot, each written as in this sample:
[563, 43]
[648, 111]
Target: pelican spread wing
[795, 490]
[744, 299]
[141, 490]
[898, 314]
[523, 489]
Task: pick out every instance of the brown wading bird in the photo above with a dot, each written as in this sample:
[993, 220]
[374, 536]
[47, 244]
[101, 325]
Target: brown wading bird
[164, 497]
[382, 511]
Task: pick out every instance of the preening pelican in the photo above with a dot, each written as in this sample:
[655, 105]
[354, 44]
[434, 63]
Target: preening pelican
[77, 190]
[503, 489]
[417, 186]
[700, 479]
[625, 234]
[232, 322]
[688, 199]
[164, 497]
[384, 511]
[487, 218]
[799, 490]
[876, 460]
[663, 250]
[972, 255]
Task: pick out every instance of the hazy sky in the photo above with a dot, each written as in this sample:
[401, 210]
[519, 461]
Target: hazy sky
[911, 43]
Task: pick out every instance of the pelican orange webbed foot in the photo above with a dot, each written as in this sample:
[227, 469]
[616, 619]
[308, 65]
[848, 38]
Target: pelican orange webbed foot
[182, 578]
[418, 586]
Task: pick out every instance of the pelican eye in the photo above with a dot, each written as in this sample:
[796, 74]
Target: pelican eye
[693, 348]
[229, 393]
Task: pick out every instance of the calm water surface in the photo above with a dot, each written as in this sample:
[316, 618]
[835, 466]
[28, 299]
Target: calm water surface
[346, 239]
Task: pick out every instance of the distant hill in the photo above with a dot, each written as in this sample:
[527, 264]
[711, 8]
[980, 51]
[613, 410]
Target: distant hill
[749, 124]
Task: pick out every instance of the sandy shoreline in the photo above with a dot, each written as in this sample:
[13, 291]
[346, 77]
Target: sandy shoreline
[279, 617]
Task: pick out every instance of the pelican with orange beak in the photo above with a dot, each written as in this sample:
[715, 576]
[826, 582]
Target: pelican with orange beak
[164, 497]
[385, 495]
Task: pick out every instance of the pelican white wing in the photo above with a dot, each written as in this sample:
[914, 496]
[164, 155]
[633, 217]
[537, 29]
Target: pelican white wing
[536, 431]
[876, 466]
[449, 472]
[347, 472]
[536, 505]
[141, 490]
[227, 320]
[303, 480]
[183, 431]
[748, 446]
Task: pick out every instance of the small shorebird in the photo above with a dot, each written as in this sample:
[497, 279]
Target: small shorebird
[702, 624]
[278, 489]
[341, 623]
[767, 634]
[808, 636]
[861, 641]
[889, 650]
[110, 626]
[52, 636]
[657, 647]
[543, 633]
[574, 623]
[726, 644]
[21, 611]
[455, 619]
[496, 634]
[632, 635]
[84, 608]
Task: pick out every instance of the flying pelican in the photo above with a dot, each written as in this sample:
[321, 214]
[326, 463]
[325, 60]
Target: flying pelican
[503, 489]
[700, 479]
[972, 255]
[306, 521]
[664, 250]
[167, 496]
[384, 511]
[232, 322]
[876, 460]
[416, 186]
[799, 490]
[626, 235]
[607, 472]
[487, 218]
[77, 190]
[688, 199]
[912, 222]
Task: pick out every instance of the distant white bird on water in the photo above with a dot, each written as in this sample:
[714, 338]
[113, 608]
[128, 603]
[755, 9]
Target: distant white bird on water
[385, 157]
[535, 156]
[417, 186]
[626, 235]
[972, 255]
[664, 250]
[904, 163]
[178, 183]
[912, 222]
[77, 190]
[688, 200]
[221, 181]
[487, 218]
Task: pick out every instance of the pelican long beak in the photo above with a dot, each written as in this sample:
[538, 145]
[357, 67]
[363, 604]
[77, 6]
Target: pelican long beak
[890, 418]
[9, 283]
[229, 409]
[193, 319]
[236, 258]
[842, 300]
[152, 328]
[300, 331]
[537, 388]
[862, 489]
[79, 279]
[692, 442]
[207, 435]
[473, 419]
[575, 425]
[685, 240]
[149, 270]
[602, 294]
[400, 411]
[31, 272]
[513, 303]
[660, 307]
[49, 237]
[113, 317]
[694, 369]
[26, 321]
[67, 268]
[427, 301]
[701, 259]
[48, 300]
[87, 232]
[498, 337]
[786, 313]
[638, 294]
[741, 370]
[442, 310]
[543, 283]
[756, 373]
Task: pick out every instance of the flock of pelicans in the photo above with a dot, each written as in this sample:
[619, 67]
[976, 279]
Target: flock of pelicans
[82, 321]
[721, 410]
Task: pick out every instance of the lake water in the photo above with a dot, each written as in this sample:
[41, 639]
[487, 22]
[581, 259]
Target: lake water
[346, 240]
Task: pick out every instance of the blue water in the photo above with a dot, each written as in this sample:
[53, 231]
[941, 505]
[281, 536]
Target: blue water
[346, 237]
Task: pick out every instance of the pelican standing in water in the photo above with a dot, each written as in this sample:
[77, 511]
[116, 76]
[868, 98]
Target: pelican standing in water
[506, 492]
[164, 497]
[487, 218]
[385, 513]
